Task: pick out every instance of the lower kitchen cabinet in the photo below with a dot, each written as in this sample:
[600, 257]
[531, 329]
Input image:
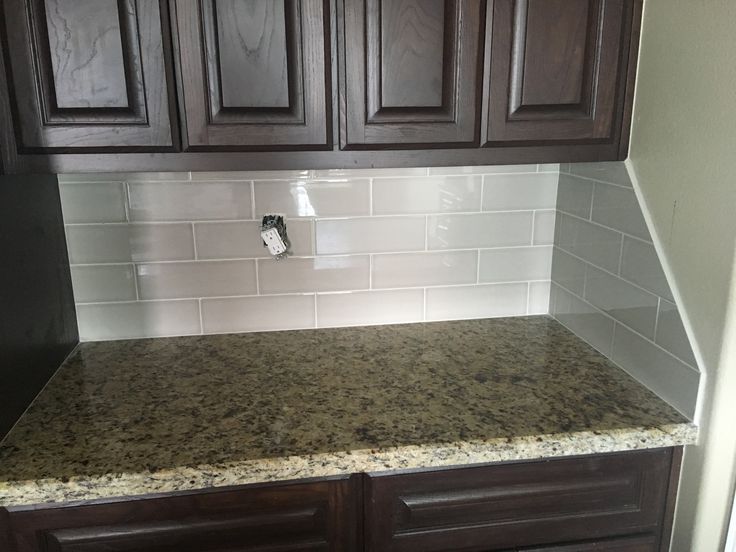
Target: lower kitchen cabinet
[620, 502]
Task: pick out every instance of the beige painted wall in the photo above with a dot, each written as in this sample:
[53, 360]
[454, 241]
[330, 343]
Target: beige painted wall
[683, 157]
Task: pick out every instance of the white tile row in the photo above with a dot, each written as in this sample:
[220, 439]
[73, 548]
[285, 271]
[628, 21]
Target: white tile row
[305, 174]
[207, 200]
[177, 241]
[230, 278]
[134, 319]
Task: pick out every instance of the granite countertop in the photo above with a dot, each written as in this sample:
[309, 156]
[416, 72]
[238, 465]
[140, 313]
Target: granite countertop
[145, 416]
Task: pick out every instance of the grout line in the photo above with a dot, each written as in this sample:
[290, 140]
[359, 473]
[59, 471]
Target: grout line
[528, 298]
[477, 268]
[482, 193]
[592, 201]
[135, 282]
[656, 318]
[621, 259]
[201, 322]
[598, 181]
[194, 242]
[370, 196]
[613, 338]
[126, 201]
[253, 199]
[258, 278]
[426, 233]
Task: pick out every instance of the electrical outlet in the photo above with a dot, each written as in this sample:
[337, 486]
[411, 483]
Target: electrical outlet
[273, 241]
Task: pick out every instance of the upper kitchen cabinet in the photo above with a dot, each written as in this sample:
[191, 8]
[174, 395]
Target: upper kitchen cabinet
[412, 73]
[88, 75]
[255, 74]
[557, 70]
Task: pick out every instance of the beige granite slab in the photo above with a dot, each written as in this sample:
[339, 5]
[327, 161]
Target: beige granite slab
[147, 416]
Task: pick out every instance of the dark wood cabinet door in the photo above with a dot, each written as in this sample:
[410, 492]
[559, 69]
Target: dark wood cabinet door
[412, 72]
[255, 74]
[89, 75]
[511, 506]
[558, 70]
[300, 517]
[645, 543]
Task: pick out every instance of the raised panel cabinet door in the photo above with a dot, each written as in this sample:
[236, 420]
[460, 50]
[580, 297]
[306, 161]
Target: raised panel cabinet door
[255, 74]
[558, 70]
[292, 517]
[89, 75]
[512, 506]
[412, 73]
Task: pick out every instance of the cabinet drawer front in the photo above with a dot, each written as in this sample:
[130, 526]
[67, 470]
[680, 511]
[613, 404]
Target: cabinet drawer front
[283, 518]
[518, 504]
[412, 73]
[557, 70]
[89, 74]
[255, 74]
[646, 543]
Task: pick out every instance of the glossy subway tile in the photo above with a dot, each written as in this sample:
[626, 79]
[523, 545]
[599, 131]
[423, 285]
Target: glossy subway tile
[424, 269]
[357, 308]
[313, 198]
[196, 279]
[262, 313]
[481, 230]
[86, 202]
[435, 194]
[484, 301]
[370, 235]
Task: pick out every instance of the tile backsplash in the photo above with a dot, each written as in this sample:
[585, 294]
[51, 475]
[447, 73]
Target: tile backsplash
[608, 285]
[158, 254]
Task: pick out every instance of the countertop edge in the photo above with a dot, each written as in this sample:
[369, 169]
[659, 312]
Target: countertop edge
[436, 455]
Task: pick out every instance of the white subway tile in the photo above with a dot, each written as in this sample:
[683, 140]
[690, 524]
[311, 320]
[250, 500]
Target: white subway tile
[568, 272]
[134, 320]
[96, 284]
[249, 314]
[481, 230]
[539, 293]
[640, 264]
[124, 177]
[172, 201]
[628, 304]
[597, 245]
[297, 275]
[314, 198]
[575, 195]
[619, 209]
[613, 172]
[511, 192]
[544, 227]
[242, 239]
[669, 378]
[369, 173]
[549, 167]
[120, 243]
[370, 307]
[93, 202]
[435, 194]
[516, 264]
[424, 269]
[671, 333]
[485, 301]
[582, 319]
[224, 176]
[196, 279]
[483, 169]
[370, 235]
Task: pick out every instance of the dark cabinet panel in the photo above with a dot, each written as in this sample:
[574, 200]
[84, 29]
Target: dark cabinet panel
[646, 543]
[412, 73]
[557, 69]
[294, 517]
[255, 73]
[516, 505]
[89, 74]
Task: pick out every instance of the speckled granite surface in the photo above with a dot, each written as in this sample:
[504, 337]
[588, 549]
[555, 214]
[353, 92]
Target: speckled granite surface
[133, 417]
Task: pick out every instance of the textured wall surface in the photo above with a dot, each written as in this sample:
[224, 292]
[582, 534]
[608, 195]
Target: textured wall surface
[160, 254]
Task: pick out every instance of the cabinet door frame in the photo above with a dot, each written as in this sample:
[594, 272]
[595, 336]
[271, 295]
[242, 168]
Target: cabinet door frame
[148, 123]
[306, 124]
[604, 93]
[366, 124]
